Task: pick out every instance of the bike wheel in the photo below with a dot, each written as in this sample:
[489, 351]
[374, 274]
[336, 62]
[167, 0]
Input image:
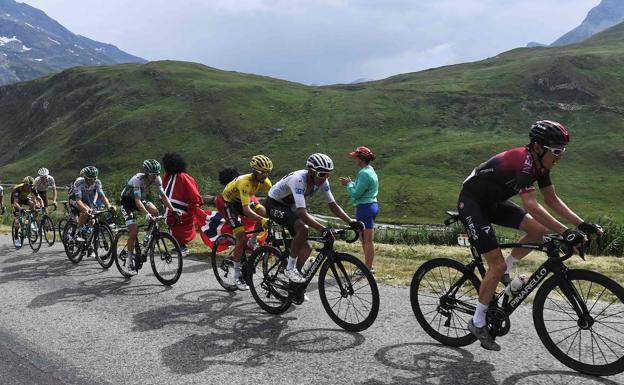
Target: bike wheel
[444, 296]
[348, 292]
[72, 248]
[591, 345]
[17, 234]
[60, 226]
[120, 251]
[166, 258]
[222, 261]
[34, 235]
[264, 274]
[49, 230]
[103, 245]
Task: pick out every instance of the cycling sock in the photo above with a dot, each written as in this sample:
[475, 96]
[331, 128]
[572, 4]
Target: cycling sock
[292, 262]
[130, 257]
[479, 316]
[510, 261]
[237, 270]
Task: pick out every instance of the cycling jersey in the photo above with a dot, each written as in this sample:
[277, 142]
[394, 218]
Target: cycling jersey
[291, 190]
[22, 191]
[42, 183]
[507, 174]
[82, 191]
[138, 186]
[242, 188]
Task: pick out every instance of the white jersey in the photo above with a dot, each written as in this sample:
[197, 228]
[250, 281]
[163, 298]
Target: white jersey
[42, 183]
[138, 186]
[291, 190]
[82, 190]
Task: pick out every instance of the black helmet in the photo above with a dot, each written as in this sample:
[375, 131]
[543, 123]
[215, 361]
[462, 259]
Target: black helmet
[549, 133]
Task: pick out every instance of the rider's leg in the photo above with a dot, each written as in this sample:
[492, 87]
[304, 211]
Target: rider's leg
[496, 269]
[534, 233]
[299, 249]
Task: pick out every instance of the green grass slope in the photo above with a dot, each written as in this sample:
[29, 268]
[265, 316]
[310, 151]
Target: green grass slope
[429, 128]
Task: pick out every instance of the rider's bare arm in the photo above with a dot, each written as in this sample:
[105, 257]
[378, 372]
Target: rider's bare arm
[339, 212]
[309, 219]
[533, 207]
[554, 202]
[249, 213]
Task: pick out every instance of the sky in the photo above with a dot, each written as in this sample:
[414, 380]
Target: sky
[319, 41]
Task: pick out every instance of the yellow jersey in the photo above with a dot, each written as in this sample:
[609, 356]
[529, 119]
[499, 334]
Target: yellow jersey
[242, 188]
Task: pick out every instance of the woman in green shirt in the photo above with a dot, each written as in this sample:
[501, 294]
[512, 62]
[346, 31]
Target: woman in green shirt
[363, 193]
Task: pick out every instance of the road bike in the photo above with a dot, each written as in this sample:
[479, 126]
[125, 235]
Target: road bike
[98, 239]
[26, 227]
[47, 228]
[578, 314]
[347, 288]
[161, 247]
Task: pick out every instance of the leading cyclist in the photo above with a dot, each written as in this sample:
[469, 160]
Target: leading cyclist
[484, 200]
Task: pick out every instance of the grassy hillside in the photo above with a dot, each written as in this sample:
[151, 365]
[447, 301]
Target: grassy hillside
[429, 128]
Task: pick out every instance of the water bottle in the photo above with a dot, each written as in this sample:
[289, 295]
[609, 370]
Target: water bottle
[515, 285]
[146, 238]
[307, 265]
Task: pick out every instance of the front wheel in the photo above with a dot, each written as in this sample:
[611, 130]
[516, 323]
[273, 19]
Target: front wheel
[60, 226]
[103, 245]
[444, 296]
[34, 235]
[222, 261]
[348, 292]
[264, 273]
[72, 247]
[593, 343]
[166, 258]
[48, 230]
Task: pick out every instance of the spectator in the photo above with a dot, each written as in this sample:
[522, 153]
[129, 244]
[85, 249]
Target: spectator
[363, 194]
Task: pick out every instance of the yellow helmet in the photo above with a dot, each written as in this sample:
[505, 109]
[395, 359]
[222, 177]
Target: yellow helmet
[261, 163]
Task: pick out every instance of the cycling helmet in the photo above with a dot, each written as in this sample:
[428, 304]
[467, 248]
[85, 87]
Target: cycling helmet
[151, 166]
[82, 172]
[29, 180]
[320, 163]
[549, 133]
[90, 172]
[43, 171]
[261, 163]
[364, 153]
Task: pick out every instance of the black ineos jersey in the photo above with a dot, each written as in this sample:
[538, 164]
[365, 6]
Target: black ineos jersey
[507, 174]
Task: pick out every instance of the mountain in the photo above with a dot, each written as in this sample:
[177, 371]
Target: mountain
[605, 15]
[534, 44]
[32, 44]
[429, 129]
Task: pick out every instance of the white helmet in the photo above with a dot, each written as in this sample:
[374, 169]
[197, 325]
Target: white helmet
[320, 163]
[43, 171]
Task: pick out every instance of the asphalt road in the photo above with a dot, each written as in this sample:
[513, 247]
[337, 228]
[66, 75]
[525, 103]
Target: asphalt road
[79, 324]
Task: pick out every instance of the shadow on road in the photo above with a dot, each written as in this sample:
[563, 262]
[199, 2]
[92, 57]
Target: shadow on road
[556, 377]
[234, 332]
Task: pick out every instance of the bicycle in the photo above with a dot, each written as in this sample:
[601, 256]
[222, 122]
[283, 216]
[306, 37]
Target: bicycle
[222, 259]
[47, 228]
[67, 216]
[571, 309]
[26, 228]
[342, 280]
[163, 250]
[99, 240]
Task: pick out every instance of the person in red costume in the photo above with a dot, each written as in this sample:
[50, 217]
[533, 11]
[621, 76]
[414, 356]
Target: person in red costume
[182, 191]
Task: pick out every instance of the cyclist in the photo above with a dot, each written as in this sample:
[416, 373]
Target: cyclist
[133, 199]
[42, 183]
[238, 202]
[80, 200]
[484, 200]
[286, 205]
[24, 194]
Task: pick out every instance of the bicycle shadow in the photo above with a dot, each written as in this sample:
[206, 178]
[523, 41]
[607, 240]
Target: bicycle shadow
[553, 377]
[93, 289]
[233, 332]
[429, 363]
[42, 267]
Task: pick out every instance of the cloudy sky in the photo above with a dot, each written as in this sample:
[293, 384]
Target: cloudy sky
[319, 41]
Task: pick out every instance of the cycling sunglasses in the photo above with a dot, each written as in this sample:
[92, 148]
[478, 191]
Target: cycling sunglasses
[555, 151]
[260, 173]
[323, 174]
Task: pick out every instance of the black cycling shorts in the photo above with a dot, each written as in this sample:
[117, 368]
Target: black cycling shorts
[478, 219]
[281, 214]
[234, 211]
[129, 208]
[44, 196]
[21, 201]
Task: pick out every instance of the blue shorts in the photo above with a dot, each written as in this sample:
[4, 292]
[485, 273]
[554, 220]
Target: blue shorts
[367, 213]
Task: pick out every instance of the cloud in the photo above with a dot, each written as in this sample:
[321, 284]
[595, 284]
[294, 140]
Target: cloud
[319, 41]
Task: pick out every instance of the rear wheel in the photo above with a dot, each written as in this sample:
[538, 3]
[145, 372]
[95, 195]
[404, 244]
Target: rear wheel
[103, 245]
[265, 276]
[120, 251]
[166, 258]
[444, 296]
[591, 344]
[348, 292]
[222, 261]
[60, 226]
